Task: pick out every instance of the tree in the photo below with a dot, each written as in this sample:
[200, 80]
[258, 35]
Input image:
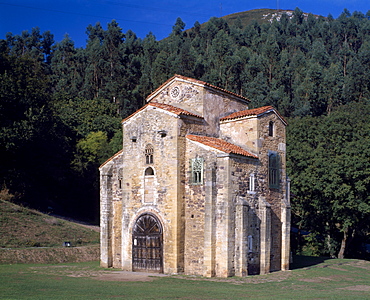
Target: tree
[329, 167]
[33, 145]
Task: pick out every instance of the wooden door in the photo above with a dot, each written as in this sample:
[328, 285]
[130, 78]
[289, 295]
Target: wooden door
[147, 245]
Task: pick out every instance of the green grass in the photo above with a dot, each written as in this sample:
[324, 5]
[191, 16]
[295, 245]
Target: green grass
[22, 227]
[330, 279]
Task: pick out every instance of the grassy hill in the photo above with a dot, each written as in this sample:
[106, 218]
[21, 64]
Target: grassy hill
[261, 16]
[21, 227]
[264, 15]
[247, 17]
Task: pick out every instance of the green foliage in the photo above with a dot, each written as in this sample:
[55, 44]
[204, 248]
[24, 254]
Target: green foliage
[92, 150]
[329, 166]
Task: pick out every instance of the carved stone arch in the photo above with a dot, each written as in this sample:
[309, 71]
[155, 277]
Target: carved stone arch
[147, 244]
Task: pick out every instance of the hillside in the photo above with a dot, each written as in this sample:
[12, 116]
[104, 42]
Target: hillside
[265, 15]
[22, 227]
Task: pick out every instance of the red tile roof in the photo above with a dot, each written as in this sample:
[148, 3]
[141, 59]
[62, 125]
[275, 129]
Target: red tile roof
[195, 81]
[252, 112]
[220, 145]
[176, 110]
[111, 158]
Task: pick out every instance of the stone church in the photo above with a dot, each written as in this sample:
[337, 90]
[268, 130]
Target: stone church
[200, 187]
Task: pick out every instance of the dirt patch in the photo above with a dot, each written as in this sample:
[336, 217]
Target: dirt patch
[128, 276]
[361, 288]
[98, 274]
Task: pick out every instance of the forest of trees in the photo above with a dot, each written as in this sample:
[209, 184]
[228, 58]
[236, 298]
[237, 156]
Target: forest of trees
[61, 107]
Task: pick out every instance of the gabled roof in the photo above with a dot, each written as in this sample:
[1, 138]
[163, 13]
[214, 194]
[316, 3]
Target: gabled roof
[172, 109]
[253, 112]
[111, 158]
[220, 145]
[195, 81]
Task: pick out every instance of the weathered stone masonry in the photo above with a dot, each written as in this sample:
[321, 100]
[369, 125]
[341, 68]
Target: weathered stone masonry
[199, 188]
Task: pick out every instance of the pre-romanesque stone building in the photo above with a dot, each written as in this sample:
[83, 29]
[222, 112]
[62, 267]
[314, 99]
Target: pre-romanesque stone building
[199, 188]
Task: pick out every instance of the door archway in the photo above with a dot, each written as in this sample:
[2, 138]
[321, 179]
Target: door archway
[147, 244]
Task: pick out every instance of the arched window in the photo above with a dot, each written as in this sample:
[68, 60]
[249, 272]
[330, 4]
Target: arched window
[149, 171]
[271, 128]
[149, 150]
[149, 190]
[274, 170]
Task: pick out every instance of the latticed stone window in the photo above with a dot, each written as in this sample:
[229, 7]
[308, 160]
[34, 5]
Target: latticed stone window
[197, 170]
[149, 150]
[273, 170]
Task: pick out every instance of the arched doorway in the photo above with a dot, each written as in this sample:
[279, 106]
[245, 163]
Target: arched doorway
[147, 245]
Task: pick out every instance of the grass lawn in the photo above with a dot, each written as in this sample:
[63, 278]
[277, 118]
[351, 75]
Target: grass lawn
[315, 279]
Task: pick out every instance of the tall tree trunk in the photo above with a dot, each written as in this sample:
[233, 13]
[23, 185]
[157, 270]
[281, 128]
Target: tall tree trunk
[343, 245]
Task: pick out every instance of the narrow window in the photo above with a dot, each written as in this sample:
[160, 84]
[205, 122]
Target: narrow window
[197, 170]
[149, 150]
[251, 182]
[271, 128]
[149, 185]
[250, 243]
[274, 170]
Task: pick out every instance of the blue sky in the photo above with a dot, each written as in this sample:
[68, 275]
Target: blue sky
[142, 16]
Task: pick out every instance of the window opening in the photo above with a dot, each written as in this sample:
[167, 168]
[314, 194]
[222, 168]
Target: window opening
[149, 150]
[271, 128]
[273, 170]
[197, 170]
[250, 243]
[149, 171]
[251, 182]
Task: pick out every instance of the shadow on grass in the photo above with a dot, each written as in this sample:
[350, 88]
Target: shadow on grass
[301, 261]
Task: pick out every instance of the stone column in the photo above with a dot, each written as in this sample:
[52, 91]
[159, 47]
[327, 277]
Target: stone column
[285, 230]
[265, 235]
[105, 216]
[241, 238]
[224, 219]
[209, 224]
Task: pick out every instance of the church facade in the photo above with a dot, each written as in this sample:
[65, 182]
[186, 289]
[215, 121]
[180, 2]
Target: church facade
[199, 188]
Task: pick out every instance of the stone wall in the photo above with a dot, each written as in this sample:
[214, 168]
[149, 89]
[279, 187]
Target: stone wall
[146, 128]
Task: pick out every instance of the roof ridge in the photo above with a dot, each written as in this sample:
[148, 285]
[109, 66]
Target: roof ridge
[173, 109]
[111, 158]
[252, 112]
[195, 81]
[220, 144]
